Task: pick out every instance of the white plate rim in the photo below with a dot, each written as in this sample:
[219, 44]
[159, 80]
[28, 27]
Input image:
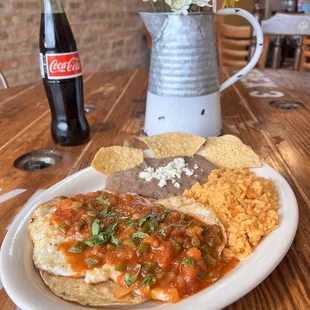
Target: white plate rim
[230, 297]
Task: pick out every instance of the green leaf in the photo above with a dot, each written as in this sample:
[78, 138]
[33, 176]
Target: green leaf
[112, 228]
[132, 223]
[138, 234]
[95, 227]
[104, 201]
[105, 213]
[155, 222]
[103, 239]
[143, 220]
[146, 227]
[148, 280]
[115, 226]
[163, 232]
[91, 241]
[188, 261]
[130, 280]
[115, 242]
[203, 275]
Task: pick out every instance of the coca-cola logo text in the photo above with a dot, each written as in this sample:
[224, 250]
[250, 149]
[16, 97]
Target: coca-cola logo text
[72, 65]
[61, 66]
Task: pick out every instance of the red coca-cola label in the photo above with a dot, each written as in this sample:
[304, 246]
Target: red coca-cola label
[63, 66]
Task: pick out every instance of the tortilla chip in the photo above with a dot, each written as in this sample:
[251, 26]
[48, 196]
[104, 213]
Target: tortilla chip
[116, 158]
[174, 144]
[77, 290]
[230, 152]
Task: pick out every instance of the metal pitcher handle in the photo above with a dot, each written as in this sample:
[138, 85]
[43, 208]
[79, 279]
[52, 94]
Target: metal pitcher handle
[259, 44]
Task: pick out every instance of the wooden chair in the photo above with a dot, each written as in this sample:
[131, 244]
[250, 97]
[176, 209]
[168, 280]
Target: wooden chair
[233, 45]
[236, 44]
[285, 25]
[304, 64]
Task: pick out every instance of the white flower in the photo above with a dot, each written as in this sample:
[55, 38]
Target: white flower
[179, 6]
[202, 3]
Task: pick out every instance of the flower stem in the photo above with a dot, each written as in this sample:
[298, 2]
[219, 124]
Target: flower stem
[190, 8]
[163, 5]
[152, 5]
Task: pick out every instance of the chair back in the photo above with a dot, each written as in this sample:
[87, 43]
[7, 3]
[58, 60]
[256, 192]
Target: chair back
[284, 24]
[287, 24]
[233, 45]
[304, 64]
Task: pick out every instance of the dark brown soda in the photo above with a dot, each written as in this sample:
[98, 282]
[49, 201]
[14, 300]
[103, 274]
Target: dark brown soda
[69, 125]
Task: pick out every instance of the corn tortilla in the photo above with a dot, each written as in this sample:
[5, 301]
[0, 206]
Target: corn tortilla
[77, 290]
[116, 158]
[230, 152]
[174, 144]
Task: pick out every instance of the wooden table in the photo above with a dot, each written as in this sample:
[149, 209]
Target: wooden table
[281, 137]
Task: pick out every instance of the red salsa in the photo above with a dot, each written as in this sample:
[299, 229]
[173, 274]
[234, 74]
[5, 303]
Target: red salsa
[154, 249]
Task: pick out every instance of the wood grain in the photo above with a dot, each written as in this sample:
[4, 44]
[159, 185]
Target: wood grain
[280, 137]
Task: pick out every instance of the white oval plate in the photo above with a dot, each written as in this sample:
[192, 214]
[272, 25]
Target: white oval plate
[25, 287]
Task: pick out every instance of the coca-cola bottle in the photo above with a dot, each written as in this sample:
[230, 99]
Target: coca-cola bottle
[62, 76]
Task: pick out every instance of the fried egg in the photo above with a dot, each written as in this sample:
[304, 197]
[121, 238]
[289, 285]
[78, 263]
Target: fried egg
[46, 238]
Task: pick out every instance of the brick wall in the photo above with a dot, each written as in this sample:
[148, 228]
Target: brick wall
[109, 34]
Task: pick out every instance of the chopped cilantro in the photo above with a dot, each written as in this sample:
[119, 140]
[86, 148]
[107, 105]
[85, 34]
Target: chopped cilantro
[115, 242]
[132, 223]
[138, 234]
[95, 227]
[155, 222]
[163, 232]
[91, 241]
[143, 220]
[106, 213]
[104, 236]
[104, 201]
[148, 280]
[130, 280]
[202, 275]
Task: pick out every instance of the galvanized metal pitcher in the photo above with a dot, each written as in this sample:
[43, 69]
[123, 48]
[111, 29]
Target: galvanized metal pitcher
[184, 91]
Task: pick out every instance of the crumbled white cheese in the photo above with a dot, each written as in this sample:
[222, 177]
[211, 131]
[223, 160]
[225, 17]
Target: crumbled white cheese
[170, 172]
[177, 185]
[196, 166]
[162, 183]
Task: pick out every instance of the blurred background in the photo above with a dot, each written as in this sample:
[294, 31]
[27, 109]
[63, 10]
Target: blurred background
[109, 34]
